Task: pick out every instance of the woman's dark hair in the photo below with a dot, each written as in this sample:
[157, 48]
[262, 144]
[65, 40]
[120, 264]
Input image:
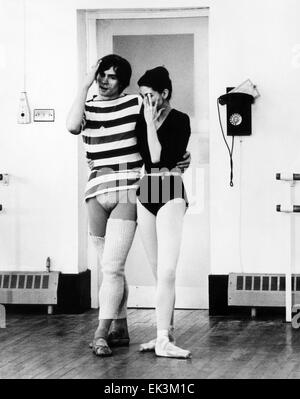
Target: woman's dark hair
[158, 79]
[121, 67]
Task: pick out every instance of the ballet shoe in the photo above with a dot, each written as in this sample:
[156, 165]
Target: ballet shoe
[150, 345]
[164, 348]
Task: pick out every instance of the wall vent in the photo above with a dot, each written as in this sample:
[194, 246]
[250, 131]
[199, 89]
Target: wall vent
[247, 289]
[32, 288]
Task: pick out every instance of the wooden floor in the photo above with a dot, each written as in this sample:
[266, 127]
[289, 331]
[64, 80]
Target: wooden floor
[56, 347]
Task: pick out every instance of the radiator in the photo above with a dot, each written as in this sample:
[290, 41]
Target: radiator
[248, 289]
[30, 288]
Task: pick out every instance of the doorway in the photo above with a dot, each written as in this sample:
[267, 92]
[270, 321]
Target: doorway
[179, 41]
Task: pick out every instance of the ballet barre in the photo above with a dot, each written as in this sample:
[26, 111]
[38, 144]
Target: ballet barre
[288, 176]
[290, 209]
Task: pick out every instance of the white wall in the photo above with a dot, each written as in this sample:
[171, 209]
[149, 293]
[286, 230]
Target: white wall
[40, 217]
[254, 39]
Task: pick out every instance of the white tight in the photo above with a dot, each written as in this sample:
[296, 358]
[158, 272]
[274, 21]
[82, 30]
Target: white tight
[161, 237]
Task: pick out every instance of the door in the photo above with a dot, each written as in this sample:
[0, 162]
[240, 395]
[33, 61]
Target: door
[181, 45]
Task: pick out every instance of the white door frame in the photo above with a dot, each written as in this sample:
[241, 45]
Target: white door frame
[91, 17]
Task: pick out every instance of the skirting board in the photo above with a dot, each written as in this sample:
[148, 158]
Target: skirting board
[144, 297]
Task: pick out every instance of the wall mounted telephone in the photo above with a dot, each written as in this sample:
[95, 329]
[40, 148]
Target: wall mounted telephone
[238, 113]
[238, 101]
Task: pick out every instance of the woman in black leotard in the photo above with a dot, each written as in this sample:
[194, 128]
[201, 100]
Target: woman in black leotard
[163, 135]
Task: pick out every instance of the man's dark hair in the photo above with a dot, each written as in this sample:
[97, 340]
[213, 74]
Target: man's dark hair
[121, 67]
[158, 79]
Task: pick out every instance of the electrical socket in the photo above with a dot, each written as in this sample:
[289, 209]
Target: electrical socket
[43, 115]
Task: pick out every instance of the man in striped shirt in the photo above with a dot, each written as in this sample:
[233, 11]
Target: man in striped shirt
[107, 124]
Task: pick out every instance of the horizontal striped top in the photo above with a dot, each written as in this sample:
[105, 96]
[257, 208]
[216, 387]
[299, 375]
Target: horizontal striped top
[108, 133]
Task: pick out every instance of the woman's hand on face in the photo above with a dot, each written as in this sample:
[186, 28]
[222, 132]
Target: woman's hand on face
[91, 75]
[150, 111]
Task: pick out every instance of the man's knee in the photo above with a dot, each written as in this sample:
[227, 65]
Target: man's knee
[113, 279]
[113, 270]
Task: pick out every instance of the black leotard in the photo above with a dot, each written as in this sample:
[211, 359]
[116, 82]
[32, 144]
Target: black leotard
[173, 135]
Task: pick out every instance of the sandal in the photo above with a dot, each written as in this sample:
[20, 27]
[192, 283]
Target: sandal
[100, 347]
[115, 338]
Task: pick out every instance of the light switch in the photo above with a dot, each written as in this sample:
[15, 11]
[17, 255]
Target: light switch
[43, 115]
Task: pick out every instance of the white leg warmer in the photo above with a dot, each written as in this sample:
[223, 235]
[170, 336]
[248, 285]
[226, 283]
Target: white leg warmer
[114, 290]
[99, 243]
[122, 312]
